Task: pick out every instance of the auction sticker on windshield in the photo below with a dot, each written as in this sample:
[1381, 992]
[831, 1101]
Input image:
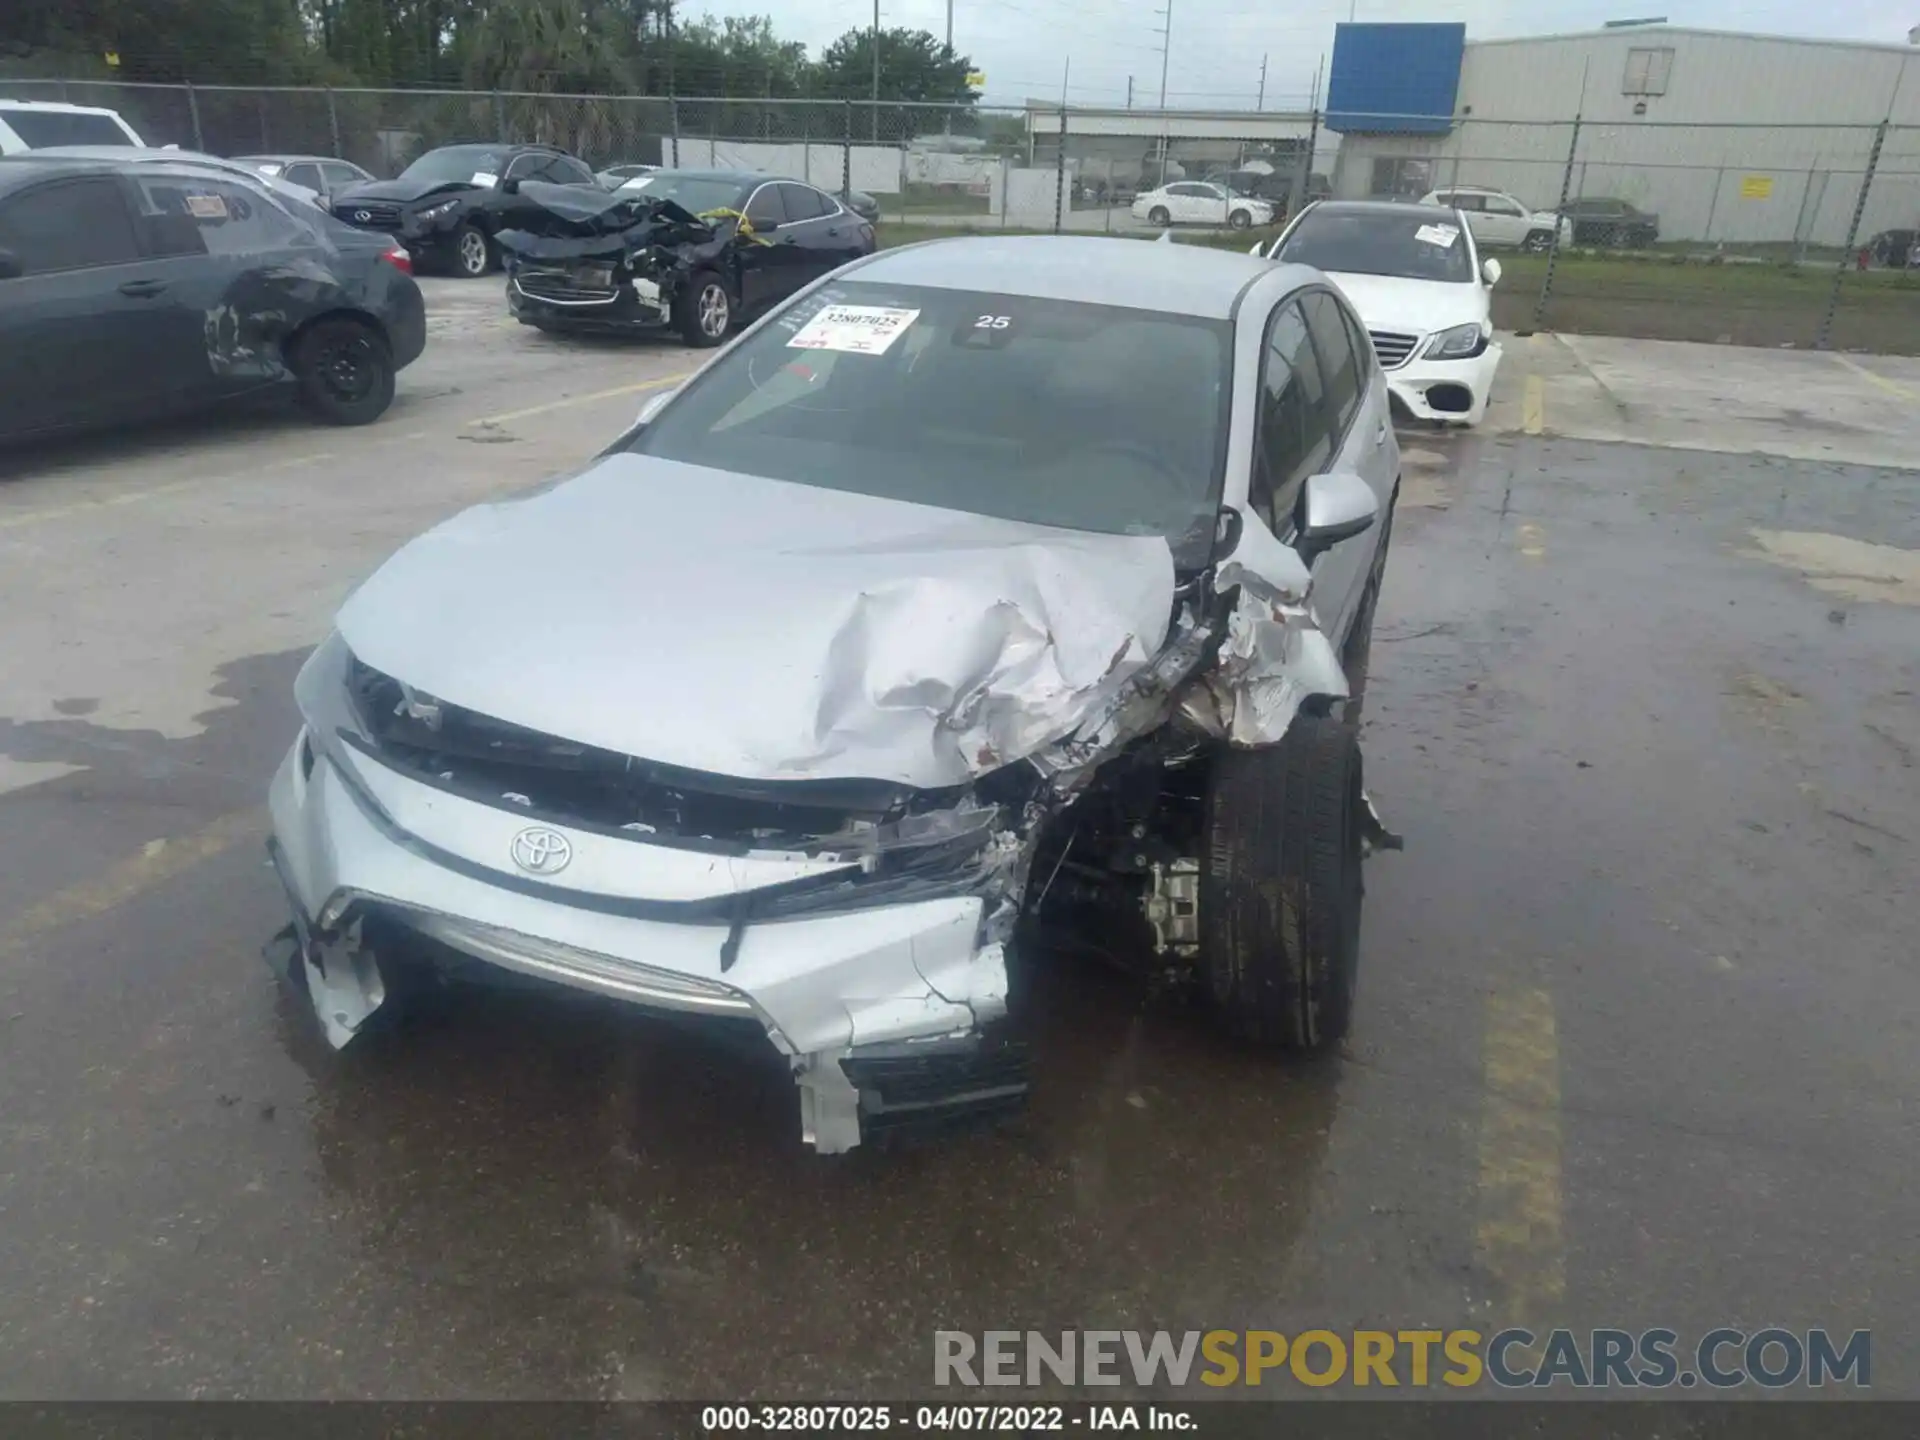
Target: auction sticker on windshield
[1441, 235]
[856, 329]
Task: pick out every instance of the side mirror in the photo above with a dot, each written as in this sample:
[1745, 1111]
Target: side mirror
[10, 266]
[1338, 506]
[1490, 271]
[1254, 249]
[654, 405]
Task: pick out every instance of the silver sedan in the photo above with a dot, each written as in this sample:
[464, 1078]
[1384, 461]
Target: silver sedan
[984, 581]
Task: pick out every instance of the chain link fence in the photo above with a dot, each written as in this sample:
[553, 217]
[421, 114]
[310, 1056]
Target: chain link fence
[1763, 234]
[1788, 235]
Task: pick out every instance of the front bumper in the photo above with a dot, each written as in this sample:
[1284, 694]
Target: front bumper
[625, 312]
[1454, 390]
[854, 999]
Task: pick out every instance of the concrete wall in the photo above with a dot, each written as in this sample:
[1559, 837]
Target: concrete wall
[876, 168]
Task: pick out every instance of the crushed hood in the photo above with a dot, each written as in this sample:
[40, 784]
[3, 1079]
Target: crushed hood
[563, 222]
[767, 630]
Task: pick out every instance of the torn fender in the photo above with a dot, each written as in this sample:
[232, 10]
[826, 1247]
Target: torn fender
[1275, 655]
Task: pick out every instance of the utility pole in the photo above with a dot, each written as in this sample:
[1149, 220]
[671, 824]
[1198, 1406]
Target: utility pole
[1261, 103]
[1129, 92]
[949, 25]
[876, 69]
[1166, 48]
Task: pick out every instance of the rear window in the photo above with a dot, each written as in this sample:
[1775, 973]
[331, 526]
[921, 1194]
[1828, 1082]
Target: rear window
[1085, 417]
[45, 129]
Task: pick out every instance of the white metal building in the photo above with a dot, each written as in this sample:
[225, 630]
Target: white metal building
[1727, 137]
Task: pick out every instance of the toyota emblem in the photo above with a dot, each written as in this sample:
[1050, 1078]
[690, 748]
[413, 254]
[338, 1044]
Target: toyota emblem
[363, 216]
[540, 851]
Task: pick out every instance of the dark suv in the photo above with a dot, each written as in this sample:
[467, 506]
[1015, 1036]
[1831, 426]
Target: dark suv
[439, 206]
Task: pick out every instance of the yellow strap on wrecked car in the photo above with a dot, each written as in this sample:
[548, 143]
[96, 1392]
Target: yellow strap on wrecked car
[746, 230]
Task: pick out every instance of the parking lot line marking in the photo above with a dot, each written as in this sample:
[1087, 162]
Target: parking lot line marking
[1533, 406]
[1892, 387]
[562, 404]
[157, 862]
[1519, 1236]
[155, 492]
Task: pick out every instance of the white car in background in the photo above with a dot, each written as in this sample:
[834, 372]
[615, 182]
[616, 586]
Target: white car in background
[1199, 202]
[44, 124]
[1497, 218]
[1416, 277]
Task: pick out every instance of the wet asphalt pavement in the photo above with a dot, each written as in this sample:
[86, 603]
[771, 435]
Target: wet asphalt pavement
[1635, 1043]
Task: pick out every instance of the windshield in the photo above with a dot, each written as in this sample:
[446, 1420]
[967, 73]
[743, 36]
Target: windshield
[1418, 247]
[1086, 417]
[48, 129]
[698, 193]
[455, 164]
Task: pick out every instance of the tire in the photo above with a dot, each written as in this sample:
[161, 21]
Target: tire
[1158, 216]
[1239, 220]
[1538, 242]
[694, 310]
[1280, 894]
[345, 372]
[472, 253]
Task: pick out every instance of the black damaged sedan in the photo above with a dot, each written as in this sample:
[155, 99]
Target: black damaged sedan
[694, 251]
[136, 291]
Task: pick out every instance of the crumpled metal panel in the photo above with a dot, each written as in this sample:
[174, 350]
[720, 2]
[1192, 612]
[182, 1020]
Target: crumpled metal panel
[1275, 654]
[869, 638]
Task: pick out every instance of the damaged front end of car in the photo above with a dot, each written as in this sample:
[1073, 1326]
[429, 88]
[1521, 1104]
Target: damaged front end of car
[592, 261]
[1042, 709]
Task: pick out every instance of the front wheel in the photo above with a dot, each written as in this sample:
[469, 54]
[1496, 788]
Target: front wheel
[1538, 242]
[704, 310]
[345, 371]
[472, 256]
[1158, 215]
[1239, 220]
[1280, 895]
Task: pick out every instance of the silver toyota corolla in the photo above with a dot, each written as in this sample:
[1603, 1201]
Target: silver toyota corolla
[986, 586]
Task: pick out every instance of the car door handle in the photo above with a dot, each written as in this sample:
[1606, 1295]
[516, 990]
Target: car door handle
[1380, 435]
[143, 289]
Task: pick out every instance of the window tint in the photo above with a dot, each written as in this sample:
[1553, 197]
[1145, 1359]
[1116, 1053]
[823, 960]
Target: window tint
[765, 209]
[307, 175]
[1293, 440]
[70, 225]
[1504, 206]
[524, 167]
[1469, 202]
[1362, 349]
[340, 175]
[803, 202]
[190, 217]
[44, 129]
[569, 171]
[1337, 364]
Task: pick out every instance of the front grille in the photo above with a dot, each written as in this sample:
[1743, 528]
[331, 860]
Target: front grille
[368, 214]
[564, 287]
[1392, 348]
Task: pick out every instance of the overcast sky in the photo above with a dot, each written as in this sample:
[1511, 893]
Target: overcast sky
[1026, 46]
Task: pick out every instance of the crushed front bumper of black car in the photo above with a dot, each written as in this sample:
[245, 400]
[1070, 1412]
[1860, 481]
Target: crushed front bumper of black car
[587, 298]
[599, 262]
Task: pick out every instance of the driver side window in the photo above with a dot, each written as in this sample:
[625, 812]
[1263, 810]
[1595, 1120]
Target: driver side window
[1293, 440]
[765, 210]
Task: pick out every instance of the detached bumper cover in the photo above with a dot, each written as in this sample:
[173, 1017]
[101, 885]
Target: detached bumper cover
[903, 984]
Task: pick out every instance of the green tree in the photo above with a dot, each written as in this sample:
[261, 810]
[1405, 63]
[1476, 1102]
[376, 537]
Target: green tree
[914, 66]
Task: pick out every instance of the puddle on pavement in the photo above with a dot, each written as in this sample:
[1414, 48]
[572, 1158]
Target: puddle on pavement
[1838, 565]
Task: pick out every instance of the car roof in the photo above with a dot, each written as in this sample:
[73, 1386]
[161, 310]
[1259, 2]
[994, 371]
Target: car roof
[1468, 189]
[1192, 280]
[25, 168]
[743, 177]
[9, 103]
[292, 159]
